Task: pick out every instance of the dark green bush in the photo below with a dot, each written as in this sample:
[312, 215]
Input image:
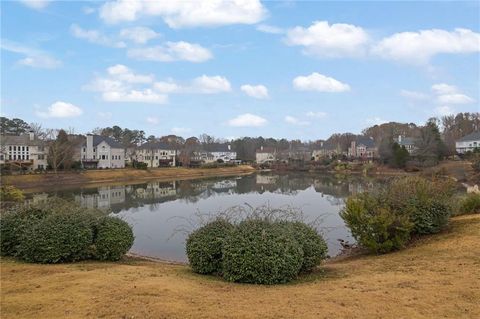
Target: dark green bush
[470, 204]
[55, 238]
[204, 246]
[314, 247]
[114, 238]
[428, 217]
[262, 252]
[10, 225]
[374, 225]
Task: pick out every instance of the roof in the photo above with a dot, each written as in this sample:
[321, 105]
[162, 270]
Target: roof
[367, 141]
[23, 139]
[325, 146]
[97, 139]
[405, 141]
[265, 150]
[156, 146]
[475, 136]
[217, 147]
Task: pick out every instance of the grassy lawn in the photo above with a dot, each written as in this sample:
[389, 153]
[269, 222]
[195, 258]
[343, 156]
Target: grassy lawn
[437, 277]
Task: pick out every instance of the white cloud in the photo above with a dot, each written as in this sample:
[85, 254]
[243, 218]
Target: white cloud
[36, 4]
[32, 57]
[179, 14]
[172, 51]
[211, 84]
[123, 73]
[94, 36]
[295, 121]
[375, 121]
[419, 47]
[152, 120]
[443, 88]
[270, 29]
[414, 96]
[61, 109]
[256, 91]
[319, 82]
[324, 40]
[88, 10]
[456, 98]
[444, 110]
[318, 115]
[141, 96]
[139, 35]
[180, 130]
[247, 120]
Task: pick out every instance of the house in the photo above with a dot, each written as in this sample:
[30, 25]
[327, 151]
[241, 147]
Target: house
[157, 154]
[407, 142]
[468, 143]
[326, 150]
[363, 148]
[221, 152]
[23, 151]
[265, 155]
[102, 152]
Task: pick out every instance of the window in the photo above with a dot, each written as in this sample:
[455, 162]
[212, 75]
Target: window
[27, 149]
[14, 157]
[1, 157]
[10, 157]
[41, 156]
[14, 148]
[93, 156]
[94, 150]
[10, 148]
[84, 149]
[103, 157]
[23, 148]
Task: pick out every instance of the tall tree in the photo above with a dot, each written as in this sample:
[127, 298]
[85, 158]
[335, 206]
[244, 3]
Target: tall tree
[13, 127]
[60, 152]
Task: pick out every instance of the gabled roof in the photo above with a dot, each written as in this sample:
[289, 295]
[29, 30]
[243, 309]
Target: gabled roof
[23, 139]
[97, 139]
[156, 146]
[217, 147]
[367, 141]
[475, 136]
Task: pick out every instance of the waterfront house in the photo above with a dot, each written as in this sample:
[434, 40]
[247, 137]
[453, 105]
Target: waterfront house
[265, 155]
[157, 154]
[468, 143]
[221, 152]
[363, 148]
[24, 151]
[102, 152]
[407, 142]
[326, 150]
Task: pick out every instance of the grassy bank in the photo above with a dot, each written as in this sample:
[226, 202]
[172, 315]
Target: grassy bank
[438, 276]
[39, 182]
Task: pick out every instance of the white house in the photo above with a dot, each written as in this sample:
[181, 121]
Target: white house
[156, 154]
[407, 142]
[102, 152]
[265, 155]
[468, 143]
[23, 151]
[221, 152]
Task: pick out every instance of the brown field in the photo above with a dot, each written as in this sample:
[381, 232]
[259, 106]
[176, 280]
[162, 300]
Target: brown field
[436, 277]
[39, 182]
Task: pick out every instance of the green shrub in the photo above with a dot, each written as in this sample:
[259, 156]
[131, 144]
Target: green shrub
[314, 247]
[428, 217]
[204, 246]
[10, 225]
[262, 252]
[374, 225]
[55, 238]
[114, 238]
[10, 193]
[470, 204]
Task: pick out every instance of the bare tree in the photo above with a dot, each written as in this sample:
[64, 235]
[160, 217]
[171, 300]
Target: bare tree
[60, 151]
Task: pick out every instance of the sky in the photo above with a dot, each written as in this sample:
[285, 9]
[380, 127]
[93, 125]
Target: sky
[282, 69]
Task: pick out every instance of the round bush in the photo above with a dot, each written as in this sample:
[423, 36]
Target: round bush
[314, 247]
[10, 225]
[204, 247]
[429, 217]
[55, 238]
[114, 238]
[261, 252]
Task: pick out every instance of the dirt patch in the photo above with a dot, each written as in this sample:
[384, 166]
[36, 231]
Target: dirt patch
[438, 277]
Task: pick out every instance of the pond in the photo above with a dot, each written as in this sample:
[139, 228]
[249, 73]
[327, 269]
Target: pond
[162, 213]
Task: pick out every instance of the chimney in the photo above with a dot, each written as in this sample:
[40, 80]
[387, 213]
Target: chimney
[31, 135]
[229, 147]
[261, 148]
[89, 143]
[321, 144]
[399, 138]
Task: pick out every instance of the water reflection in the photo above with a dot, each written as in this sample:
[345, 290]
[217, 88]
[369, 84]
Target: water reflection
[157, 209]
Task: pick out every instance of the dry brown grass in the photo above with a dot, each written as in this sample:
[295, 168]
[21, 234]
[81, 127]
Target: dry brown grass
[39, 182]
[438, 277]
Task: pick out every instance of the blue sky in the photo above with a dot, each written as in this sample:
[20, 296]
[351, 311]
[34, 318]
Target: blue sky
[238, 68]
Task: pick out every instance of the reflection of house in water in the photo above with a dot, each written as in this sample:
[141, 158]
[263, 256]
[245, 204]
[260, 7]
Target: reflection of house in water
[263, 179]
[104, 197]
[224, 185]
[157, 190]
[37, 198]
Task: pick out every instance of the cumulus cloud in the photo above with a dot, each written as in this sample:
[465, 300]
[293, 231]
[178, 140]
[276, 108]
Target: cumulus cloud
[201, 85]
[32, 57]
[61, 109]
[141, 96]
[255, 91]
[318, 115]
[123, 73]
[419, 47]
[450, 94]
[414, 96]
[247, 120]
[443, 88]
[95, 36]
[140, 35]
[319, 82]
[324, 40]
[270, 29]
[295, 121]
[180, 14]
[36, 4]
[172, 51]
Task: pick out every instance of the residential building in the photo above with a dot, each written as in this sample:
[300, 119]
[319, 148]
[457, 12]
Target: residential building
[221, 152]
[102, 152]
[23, 151]
[468, 143]
[407, 142]
[156, 154]
[326, 150]
[265, 155]
[363, 148]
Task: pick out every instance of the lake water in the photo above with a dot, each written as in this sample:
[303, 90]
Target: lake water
[162, 213]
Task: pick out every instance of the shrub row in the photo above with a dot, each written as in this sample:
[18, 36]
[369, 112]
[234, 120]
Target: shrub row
[257, 250]
[60, 231]
[384, 221]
